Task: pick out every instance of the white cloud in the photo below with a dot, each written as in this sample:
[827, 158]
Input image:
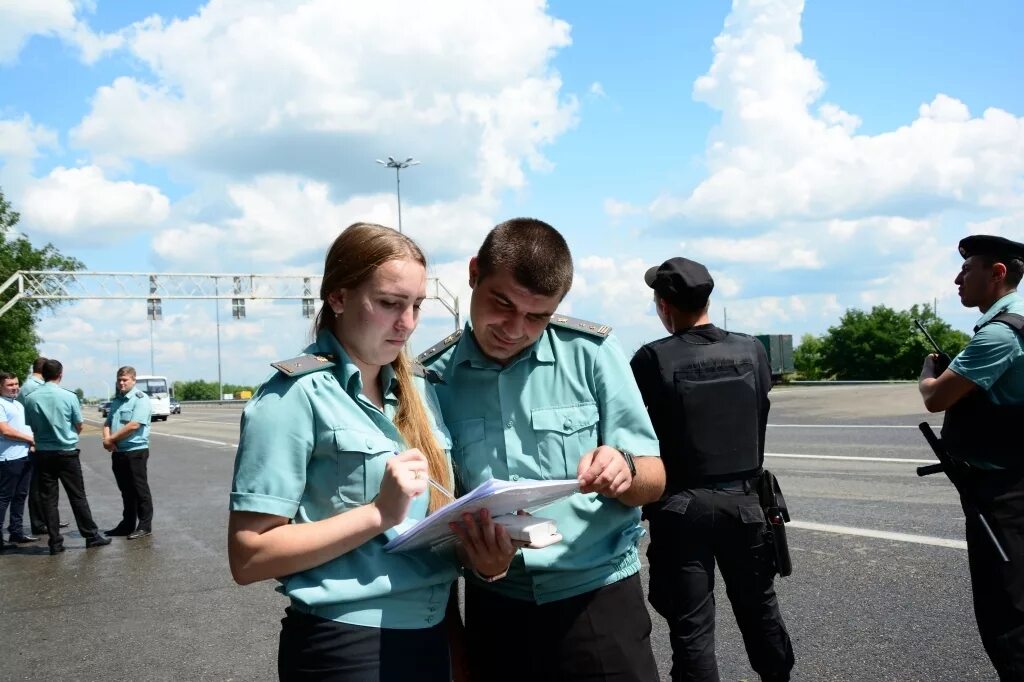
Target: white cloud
[19, 21]
[597, 90]
[773, 158]
[82, 205]
[616, 209]
[21, 142]
[330, 86]
[776, 250]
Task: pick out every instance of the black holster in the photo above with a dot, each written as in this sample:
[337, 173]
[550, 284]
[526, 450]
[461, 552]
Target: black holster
[776, 514]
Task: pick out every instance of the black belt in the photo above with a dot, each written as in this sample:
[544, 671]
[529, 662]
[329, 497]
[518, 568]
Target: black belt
[739, 485]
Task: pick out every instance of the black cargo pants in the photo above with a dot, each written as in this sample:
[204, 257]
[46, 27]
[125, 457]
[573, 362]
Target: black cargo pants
[691, 530]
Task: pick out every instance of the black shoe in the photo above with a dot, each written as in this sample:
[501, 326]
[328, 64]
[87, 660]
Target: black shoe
[62, 524]
[56, 549]
[140, 533]
[97, 540]
[119, 531]
[24, 539]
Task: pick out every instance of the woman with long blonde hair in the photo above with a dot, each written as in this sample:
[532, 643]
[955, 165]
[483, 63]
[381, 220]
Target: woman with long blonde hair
[336, 450]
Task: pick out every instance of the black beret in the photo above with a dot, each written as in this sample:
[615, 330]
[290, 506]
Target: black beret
[684, 283]
[989, 245]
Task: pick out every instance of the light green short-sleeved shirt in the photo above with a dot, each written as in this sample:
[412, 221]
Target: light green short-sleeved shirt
[313, 446]
[32, 382]
[53, 413]
[134, 406]
[534, 419]
[994, 358]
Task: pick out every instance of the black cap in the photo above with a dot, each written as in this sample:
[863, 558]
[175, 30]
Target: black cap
[989, 245]
[684, 283]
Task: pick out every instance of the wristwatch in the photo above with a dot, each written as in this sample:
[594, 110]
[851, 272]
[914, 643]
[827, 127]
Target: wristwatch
[630, 460]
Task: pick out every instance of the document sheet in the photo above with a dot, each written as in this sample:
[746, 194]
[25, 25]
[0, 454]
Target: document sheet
[499, 497]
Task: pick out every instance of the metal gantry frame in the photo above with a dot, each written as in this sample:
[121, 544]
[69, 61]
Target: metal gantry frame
[155, 287]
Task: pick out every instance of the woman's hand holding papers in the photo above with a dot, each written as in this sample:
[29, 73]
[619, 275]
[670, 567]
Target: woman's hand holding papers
[405, 477]
[485, 546]
[604, 471]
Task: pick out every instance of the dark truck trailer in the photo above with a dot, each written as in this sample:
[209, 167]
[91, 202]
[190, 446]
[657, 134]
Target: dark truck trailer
[780, 353]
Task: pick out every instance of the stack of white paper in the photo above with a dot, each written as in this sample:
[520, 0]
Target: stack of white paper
[498, 497]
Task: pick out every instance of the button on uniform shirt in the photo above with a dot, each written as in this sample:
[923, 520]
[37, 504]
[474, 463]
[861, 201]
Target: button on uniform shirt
[534, 419]
[12, 413]
[134, 406]
[313, 446]
[31, 384]
[53, 412]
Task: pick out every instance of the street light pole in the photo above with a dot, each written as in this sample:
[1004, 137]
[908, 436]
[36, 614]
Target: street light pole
[398, 166]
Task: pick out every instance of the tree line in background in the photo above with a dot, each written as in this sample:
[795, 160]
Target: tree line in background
[18, 336]
[198, 389]
[880, 344]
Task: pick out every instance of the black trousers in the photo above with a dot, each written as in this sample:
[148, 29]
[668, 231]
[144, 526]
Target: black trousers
[314, 649]
[64, 467]
[36, 509]
[690, 531]
[130, 473]
[600, 635]
[998, 586]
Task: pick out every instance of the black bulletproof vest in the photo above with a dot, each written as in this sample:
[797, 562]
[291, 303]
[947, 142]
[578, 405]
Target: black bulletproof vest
[709, 421]
[978, 429]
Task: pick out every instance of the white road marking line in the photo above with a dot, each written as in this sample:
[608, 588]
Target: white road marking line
[879, 534]
[851, 458]
[848, 426]
[200, 440]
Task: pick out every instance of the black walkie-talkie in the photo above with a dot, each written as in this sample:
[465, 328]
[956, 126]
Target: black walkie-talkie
[944, 358]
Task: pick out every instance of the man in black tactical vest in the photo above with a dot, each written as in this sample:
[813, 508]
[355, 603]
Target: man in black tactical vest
[707, 393]
[982, 393]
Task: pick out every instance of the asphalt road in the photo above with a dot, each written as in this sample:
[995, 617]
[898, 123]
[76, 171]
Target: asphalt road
[880, 589]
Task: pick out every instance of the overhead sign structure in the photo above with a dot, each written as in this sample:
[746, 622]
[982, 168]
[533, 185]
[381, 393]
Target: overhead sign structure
[47, 285]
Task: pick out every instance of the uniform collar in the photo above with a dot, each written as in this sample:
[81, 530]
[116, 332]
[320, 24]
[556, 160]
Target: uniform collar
[467, 351]
[347, 372]
[998, 307]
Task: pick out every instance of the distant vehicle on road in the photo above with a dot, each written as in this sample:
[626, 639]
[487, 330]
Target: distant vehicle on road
[104, 408]
[159, 395]
[175, 406]
[780, 353]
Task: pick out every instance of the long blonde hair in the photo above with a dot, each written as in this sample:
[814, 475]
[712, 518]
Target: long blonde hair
[352, 259]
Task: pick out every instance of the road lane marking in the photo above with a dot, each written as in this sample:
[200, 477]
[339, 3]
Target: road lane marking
[849, 426]
[851, 458]
[199, 440]
[879, 534]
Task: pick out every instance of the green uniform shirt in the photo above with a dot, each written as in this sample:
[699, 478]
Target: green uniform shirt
[32, 382]
[533, 419]
[53, 413]
[134, 406]
[311, 447]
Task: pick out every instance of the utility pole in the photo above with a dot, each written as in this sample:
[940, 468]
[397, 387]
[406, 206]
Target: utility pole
[398, 166]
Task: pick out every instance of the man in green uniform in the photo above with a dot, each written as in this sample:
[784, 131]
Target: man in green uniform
[126, 438]
[982, 393]
[55, 417]
[36, 513]
[528, 394]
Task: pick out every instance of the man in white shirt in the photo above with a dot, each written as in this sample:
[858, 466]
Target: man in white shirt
[15, 466]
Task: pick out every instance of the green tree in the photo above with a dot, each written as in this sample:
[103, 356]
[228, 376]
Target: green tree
[807, 358]
[195, 390]
[81, 394]
[882, 343]
[18, 338]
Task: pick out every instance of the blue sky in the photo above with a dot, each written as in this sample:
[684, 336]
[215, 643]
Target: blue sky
[816, 157]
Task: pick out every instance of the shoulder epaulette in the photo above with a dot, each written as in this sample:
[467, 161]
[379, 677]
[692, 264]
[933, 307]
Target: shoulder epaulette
[430, 375]
[592, 328]
[139, 394]
[439, 347]
[304, 364]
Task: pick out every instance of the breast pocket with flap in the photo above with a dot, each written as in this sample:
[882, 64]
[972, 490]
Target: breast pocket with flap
[362, 457]
[563, 435]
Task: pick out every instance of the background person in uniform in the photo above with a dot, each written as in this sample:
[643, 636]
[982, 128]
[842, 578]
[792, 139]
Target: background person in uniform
[707, 392]
[335, 452]
[126, 438]
[55, 417]
[528, 399]
[982, 392]
[36, 513]
[15, 467]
